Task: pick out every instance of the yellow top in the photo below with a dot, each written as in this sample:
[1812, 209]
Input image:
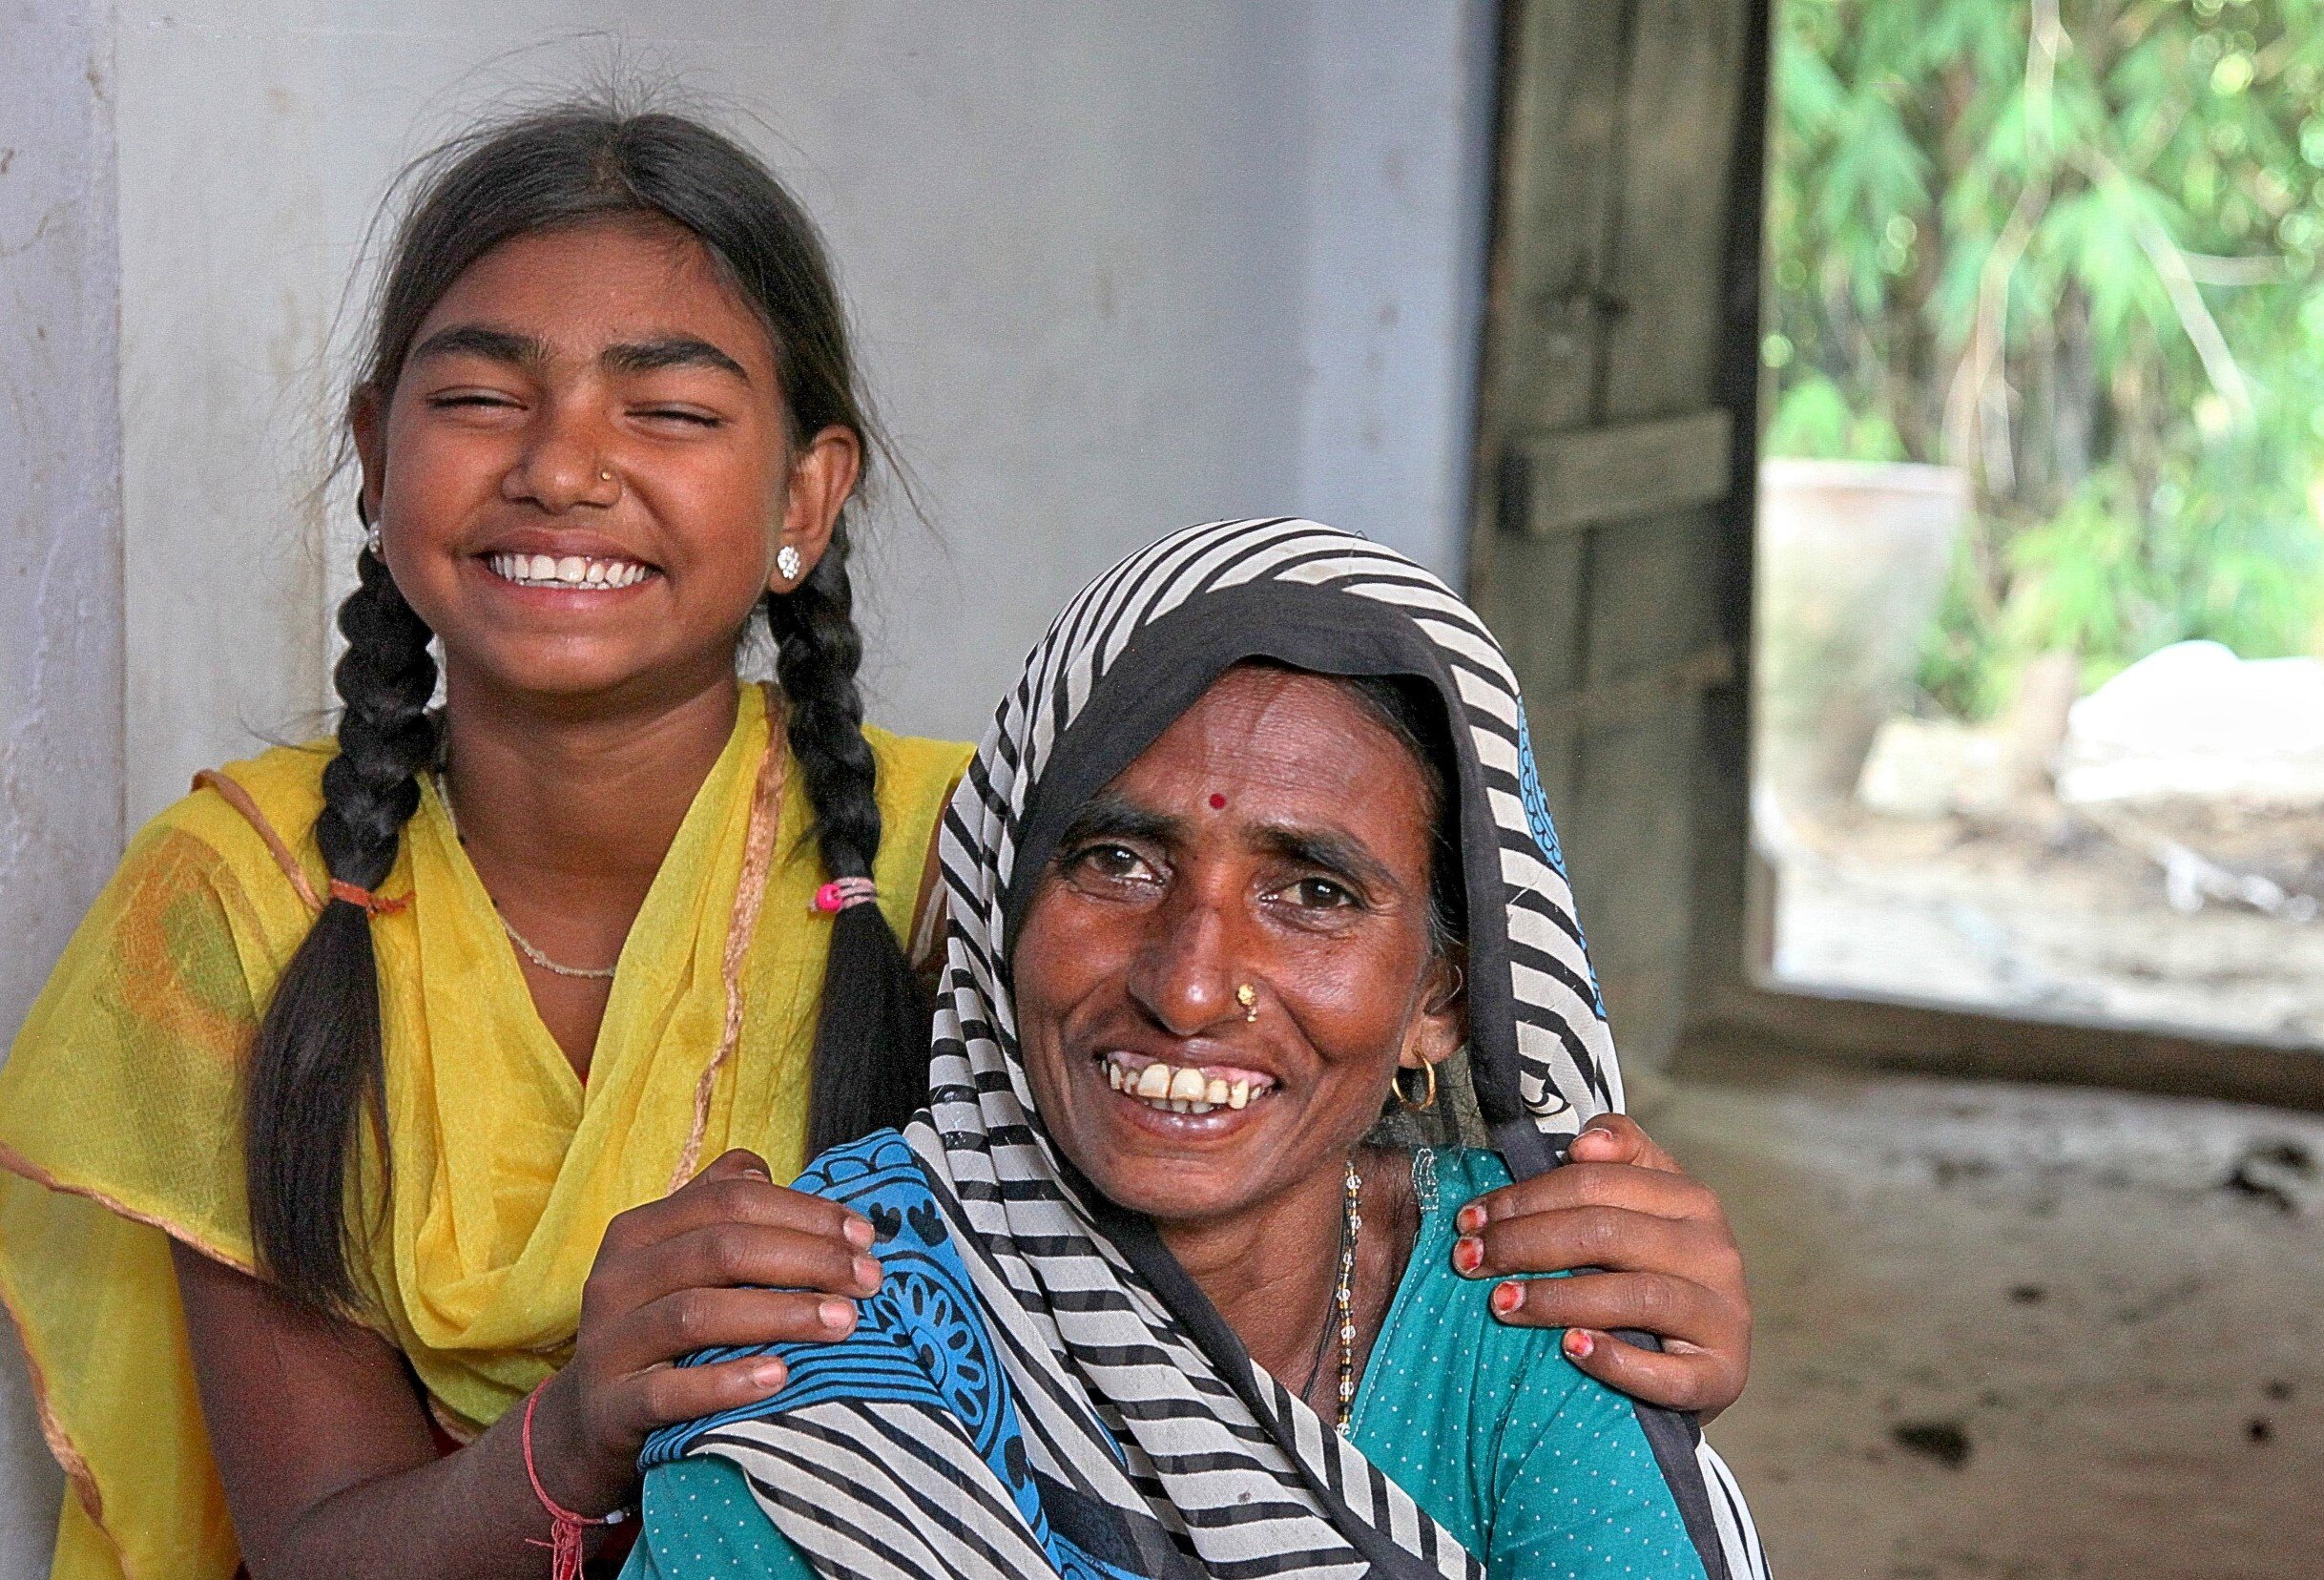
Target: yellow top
[120, 1118]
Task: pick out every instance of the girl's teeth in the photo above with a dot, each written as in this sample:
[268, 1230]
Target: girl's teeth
[1154, 1081]
[1238, 1094]
[567, 570]
[1215, 1093]
[1187, 1087]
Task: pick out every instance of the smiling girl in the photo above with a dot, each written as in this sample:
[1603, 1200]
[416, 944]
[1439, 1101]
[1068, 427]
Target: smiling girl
[341, 1083]
[356, 1200]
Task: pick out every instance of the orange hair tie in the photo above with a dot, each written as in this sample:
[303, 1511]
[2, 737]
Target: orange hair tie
[365, 900]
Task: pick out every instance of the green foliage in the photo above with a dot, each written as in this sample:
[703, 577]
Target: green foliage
[2073, 247]
[1813, 419]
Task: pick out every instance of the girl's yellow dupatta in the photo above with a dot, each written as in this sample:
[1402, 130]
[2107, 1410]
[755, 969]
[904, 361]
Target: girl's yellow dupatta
[120, 1118]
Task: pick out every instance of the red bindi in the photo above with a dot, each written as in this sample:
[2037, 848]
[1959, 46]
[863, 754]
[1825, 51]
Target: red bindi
[1218, 803]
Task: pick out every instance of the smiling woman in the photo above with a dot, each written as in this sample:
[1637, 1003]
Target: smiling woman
[1251, 827]
[1277, 948]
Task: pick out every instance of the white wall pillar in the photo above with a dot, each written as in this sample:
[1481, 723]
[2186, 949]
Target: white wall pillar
[60, 567]
[1399, 185]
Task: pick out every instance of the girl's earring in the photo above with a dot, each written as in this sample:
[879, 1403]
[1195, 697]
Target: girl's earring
[788, 562]
[371, 539]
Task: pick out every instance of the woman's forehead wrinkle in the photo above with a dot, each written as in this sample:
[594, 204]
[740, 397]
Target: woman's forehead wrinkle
[1296, 731]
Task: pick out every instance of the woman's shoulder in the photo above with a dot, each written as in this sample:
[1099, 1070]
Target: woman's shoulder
[1497, 1433]
[1458, 1175]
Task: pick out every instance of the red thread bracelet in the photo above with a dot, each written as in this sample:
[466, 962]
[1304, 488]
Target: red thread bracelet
[567, 1530]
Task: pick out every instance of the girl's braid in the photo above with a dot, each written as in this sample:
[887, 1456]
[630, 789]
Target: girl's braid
[318, 1062]
[387, 738]
[818, 649]
[871, 1036]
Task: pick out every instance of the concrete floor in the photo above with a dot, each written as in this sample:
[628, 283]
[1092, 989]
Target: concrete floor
[2018, 1331]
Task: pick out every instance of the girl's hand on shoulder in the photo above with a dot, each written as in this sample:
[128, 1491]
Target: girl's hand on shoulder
[730, 1257]
[1662, 1260]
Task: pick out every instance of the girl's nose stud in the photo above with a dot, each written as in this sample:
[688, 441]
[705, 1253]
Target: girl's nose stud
[1248, 997]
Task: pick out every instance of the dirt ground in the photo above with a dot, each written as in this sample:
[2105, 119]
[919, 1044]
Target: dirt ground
[2062, 914]
[2017, 1331]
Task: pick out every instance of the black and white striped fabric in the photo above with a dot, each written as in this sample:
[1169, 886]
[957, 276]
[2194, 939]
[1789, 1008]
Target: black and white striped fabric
[1145, 1424]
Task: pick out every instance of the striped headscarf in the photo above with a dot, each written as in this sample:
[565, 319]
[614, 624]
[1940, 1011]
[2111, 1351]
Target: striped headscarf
[1039, 1389]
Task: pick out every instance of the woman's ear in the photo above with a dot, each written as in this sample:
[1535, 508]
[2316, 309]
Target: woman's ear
[368, 421]
[1438, 1031]
[823, 475]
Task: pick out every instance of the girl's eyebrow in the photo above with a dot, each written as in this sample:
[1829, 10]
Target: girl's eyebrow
[670, 351]
[530, 353]
[482, 340]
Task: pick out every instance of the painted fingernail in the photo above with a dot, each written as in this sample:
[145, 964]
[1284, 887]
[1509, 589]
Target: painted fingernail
[1468, 1254]
[1471, 1219]
[838, 1316]
[1578, 1343]
[867, 1273]
[774, 1374]
[1507, 1298]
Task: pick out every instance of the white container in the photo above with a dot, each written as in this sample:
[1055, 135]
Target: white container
[1852, 561]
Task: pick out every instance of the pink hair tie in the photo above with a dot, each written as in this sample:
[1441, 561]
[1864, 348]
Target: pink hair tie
[842, 892]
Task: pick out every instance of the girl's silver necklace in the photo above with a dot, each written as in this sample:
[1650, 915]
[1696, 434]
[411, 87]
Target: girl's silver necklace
[523, 945]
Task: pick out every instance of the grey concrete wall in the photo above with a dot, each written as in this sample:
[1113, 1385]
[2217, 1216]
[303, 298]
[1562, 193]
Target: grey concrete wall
[1116, 268]
[60, 568]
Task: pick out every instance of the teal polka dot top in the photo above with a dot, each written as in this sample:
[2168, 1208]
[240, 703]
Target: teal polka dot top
[1535, 1468]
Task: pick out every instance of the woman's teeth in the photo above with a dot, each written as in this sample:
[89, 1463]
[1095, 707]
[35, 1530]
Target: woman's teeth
[1182, 1088]
[567, 571]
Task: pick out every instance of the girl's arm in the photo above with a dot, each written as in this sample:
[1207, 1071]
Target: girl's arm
[1663, 1260]
[324, 1448]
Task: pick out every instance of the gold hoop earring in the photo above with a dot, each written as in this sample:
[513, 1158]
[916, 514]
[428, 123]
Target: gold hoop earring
[1248, 997]
[1429, 1092]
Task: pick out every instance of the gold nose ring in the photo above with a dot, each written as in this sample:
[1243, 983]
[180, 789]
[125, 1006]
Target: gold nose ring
[1248, 997]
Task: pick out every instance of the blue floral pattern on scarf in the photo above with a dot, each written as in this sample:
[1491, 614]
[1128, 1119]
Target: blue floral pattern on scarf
[919, 1341]
[1545, 835]
[1536, 800]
